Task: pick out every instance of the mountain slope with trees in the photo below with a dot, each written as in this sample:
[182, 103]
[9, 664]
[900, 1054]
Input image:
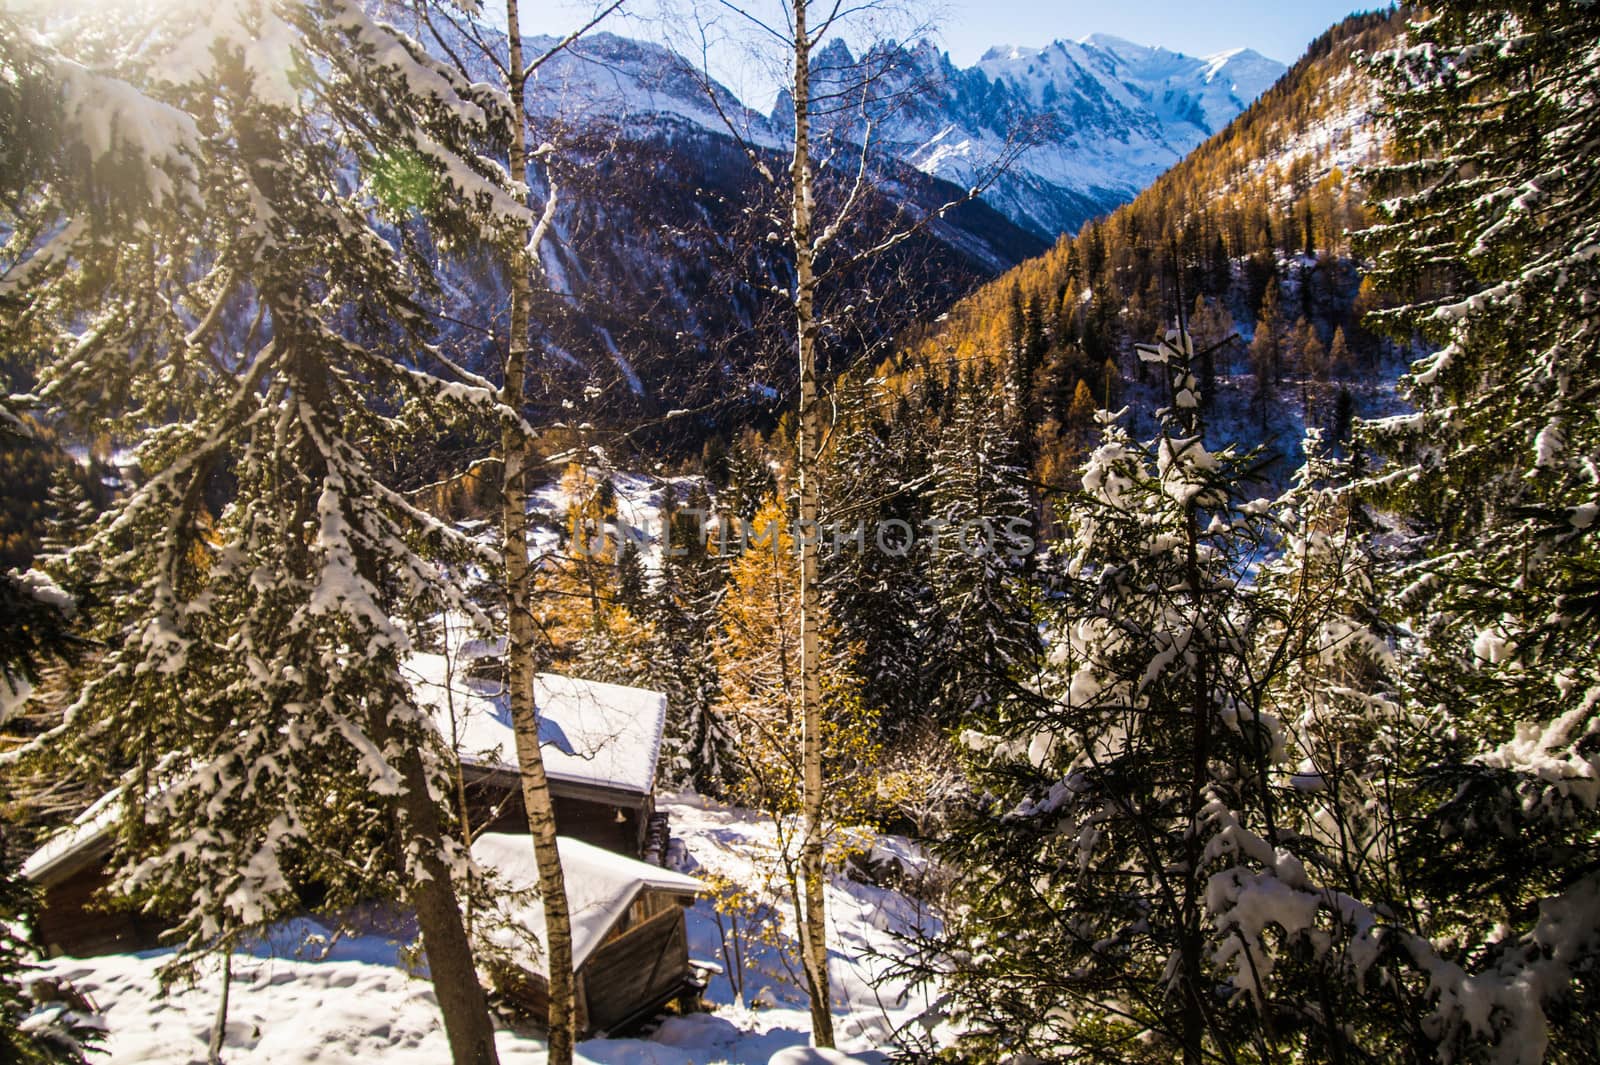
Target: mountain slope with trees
[1248, 239]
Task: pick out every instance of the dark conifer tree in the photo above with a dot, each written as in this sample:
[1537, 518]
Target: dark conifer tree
[35, 1027]
[1120, 900]
[981, 631]
[875, 558]
[1487, 237]
[750, 478]
[682, 611]
[631, 579]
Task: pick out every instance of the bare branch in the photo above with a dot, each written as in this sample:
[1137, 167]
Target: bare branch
[571, 38]
[542, 230]
[785, 39]
[857, 187]
[424, 11]
[1014, 148]
[702, 77]
[827, 24]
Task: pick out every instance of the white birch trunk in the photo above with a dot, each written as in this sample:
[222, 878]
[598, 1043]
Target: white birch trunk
[813, 931]
[521, 650]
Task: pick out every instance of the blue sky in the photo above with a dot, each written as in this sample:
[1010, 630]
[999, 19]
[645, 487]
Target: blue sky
[1280, 29]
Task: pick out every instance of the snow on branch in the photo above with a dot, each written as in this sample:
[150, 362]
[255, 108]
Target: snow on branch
[115, 122]
[424, 77]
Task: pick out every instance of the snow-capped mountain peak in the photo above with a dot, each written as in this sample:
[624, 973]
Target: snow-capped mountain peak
[1104, 116]
[1005, 53]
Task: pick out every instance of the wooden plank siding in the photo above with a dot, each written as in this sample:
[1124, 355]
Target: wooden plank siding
[615, 822]
[76, 919]
[642, 965]
[637, 971]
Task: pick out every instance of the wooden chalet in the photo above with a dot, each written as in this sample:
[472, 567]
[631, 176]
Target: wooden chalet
[601, 743]
[630, 948]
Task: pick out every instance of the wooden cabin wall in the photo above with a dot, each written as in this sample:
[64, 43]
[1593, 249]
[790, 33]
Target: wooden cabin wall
[640, 969]
[584, 819]
[75, 919]
[597, 823]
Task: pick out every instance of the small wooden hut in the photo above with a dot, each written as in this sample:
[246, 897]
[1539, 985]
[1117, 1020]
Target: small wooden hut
[70, 872]
[630, 946]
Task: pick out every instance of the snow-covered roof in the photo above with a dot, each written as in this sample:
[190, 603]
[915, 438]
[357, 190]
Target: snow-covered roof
[88, 829]
[599, 735]
[603, 735]
[600, 887]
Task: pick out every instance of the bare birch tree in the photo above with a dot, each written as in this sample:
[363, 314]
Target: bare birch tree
[522, 636]
[832, 126]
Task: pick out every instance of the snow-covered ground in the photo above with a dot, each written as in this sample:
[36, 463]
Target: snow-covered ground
[358, 1002]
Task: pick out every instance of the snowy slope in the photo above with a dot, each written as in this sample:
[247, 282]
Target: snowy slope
[295, 1002]
[637, 85]
[1347, 137]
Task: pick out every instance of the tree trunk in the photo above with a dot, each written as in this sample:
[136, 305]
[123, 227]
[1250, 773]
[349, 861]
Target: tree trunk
[463, 809]
[1192, 932]
[521, 649]
[219, 1026]
[444, 937]
[813, 931]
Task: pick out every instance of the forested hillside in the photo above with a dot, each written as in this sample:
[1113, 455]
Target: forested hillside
[1248, 240]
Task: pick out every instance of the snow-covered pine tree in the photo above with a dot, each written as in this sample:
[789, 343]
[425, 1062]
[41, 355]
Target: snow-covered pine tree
[244, 318]
[1301, 885]
[751, 477]
[69, 510]
[632, 581]
[1083, 922]
[1343, 936]
[39, 619]
[1489, 236]
[981, 630]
